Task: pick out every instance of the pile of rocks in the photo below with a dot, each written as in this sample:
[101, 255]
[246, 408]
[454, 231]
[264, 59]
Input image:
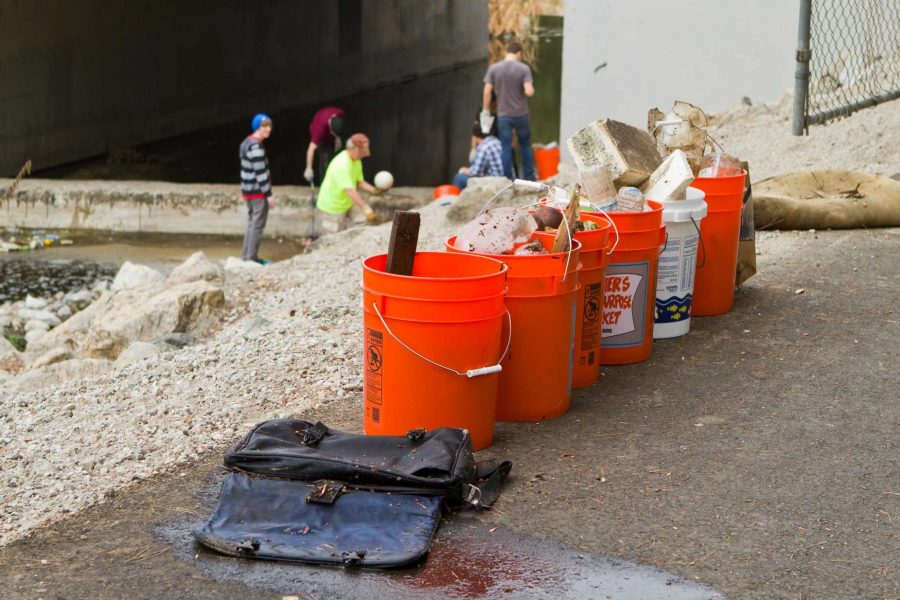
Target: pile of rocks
[89, 332]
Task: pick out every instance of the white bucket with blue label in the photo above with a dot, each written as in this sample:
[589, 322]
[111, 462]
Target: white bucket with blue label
[678, 264]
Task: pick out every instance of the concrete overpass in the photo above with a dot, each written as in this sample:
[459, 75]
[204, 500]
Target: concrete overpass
[81, 77]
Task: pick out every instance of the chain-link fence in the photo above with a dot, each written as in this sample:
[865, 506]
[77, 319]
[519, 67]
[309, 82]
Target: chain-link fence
[848, 58]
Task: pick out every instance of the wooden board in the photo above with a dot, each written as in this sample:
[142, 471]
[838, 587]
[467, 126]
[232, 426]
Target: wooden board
[404, 240]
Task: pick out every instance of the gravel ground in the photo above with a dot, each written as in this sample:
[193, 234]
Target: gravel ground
[291, 342]
[761, 135]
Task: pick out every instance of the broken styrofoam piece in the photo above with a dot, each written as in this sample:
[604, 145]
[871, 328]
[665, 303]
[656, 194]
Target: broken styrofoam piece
[671, 179]
[627, 153]
[681, 129]
[496, 231]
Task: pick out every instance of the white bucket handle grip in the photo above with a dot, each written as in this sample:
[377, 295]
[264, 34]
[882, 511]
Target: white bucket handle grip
[496, 368]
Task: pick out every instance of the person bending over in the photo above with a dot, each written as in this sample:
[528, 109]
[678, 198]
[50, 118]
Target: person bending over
[342, 185]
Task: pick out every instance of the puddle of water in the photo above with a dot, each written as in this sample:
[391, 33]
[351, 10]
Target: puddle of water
[467, 560]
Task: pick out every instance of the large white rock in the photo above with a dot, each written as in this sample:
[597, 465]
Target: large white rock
[32, 324]
[29, 314]
[6, 345]
[131, 276]
[35, 303]
[137, 351]
[33, 337]
[196, 268]
[113, 321]
[52, 357]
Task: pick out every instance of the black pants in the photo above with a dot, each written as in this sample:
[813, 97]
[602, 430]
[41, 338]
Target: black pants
[326, 153]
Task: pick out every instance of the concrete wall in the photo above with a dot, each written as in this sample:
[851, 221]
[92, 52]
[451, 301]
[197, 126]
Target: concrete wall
[79, 77]
[157, 207]
[707, 52]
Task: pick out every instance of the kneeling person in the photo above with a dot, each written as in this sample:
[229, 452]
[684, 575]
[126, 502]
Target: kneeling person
[342, 185]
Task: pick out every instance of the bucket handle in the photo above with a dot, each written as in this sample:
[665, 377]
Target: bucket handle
[665, 243]
[615, 228]
[702, 245]
[471, 372]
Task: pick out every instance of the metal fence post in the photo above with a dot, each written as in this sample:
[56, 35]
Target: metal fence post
[801, 72]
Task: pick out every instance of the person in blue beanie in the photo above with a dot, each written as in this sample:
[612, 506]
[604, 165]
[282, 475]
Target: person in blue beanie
[256, 185]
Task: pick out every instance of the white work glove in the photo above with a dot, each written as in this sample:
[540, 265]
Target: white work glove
[486, 119]
[308, 175]
[271, 201]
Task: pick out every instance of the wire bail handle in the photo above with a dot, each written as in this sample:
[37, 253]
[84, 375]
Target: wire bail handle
[495, 368]
[536, 186]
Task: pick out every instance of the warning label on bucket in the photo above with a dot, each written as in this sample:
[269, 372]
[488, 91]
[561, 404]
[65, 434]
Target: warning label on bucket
[591, 313]
[624, 304]
[374, 367]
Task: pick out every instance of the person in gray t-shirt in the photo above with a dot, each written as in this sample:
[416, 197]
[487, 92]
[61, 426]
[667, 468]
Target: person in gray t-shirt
[512, 81]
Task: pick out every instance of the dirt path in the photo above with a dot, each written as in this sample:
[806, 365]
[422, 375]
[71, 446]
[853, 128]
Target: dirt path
[758, 455]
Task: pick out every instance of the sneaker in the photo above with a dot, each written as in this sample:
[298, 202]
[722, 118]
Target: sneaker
[261, 261]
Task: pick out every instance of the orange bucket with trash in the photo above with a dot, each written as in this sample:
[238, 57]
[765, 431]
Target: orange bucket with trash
[536, 381]
[629, 293]
[546, 159]
[720, 236]
[433, 342]
[594, 257]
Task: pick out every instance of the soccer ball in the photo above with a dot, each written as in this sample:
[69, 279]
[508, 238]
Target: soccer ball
[384, 180]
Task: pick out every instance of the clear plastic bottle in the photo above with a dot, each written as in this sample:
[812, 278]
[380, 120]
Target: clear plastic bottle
[630, 199]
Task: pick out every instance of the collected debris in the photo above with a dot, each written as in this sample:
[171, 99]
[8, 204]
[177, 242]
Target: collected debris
[496, 231]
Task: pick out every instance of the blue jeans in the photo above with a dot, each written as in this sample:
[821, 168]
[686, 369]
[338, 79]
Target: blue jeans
[522, 127]
[460, 180]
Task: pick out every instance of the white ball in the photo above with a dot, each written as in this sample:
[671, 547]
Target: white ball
[384, 180]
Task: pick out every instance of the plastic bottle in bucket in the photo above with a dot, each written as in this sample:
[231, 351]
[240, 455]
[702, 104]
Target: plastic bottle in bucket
[677, 264]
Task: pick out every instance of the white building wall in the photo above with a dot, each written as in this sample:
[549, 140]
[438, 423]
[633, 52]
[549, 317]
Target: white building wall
[707, 52]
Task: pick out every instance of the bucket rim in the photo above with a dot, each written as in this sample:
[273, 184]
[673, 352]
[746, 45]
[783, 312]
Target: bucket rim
[503, 270]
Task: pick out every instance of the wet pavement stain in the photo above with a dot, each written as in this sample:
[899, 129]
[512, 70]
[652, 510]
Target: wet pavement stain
[467, 560]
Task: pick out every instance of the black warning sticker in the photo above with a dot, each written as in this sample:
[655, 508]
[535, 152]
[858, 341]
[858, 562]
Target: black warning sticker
[591, 312]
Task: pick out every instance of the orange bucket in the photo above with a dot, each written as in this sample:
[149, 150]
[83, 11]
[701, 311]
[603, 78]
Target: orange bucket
[445, 190]
[546, 160]
[536, 381]
[629, 294]
[594, 257]
[720, 237]
[423, 335]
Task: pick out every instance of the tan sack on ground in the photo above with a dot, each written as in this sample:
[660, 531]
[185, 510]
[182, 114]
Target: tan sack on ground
[829, 199]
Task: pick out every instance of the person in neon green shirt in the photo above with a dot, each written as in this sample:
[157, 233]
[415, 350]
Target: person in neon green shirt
[342, 184]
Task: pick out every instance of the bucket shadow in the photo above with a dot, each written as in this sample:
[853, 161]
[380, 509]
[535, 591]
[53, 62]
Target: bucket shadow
[468, 559]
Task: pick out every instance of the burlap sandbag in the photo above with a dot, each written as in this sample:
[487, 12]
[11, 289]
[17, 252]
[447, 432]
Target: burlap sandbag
[828, 199]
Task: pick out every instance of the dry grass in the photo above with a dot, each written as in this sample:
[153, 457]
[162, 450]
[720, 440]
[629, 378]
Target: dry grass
[510, 20]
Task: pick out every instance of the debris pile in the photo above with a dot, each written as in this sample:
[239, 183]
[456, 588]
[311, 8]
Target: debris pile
[17, 241]
[621, 166]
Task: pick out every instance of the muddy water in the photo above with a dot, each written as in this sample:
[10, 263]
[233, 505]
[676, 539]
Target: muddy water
[65, 268]
[468, 559]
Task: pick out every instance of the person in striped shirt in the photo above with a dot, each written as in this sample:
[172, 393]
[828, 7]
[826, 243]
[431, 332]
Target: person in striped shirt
[256, 185]
[487, 160]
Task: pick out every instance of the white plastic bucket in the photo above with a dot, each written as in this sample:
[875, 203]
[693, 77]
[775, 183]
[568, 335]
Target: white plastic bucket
[678, 264]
